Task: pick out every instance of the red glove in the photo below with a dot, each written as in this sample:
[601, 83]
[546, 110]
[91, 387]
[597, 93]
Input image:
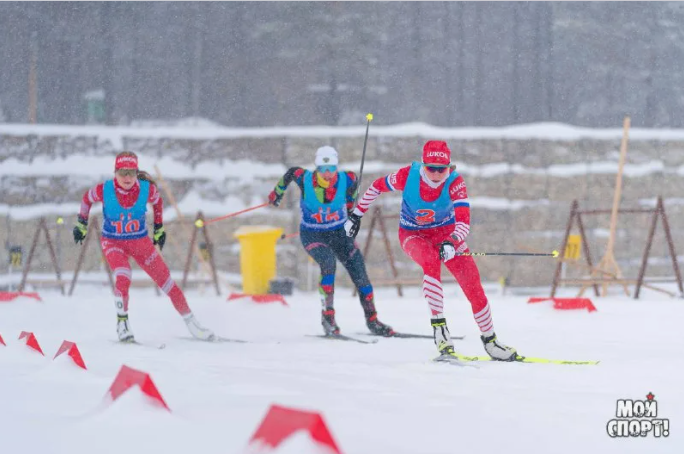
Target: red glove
[274, 198]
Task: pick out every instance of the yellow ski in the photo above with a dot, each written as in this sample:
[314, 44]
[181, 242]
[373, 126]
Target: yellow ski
[518, 359]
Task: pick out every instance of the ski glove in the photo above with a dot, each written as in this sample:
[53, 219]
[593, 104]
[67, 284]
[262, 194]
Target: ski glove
[447, 251]
[275, 197]
[80, 230]
[352, 225]
[159, 235]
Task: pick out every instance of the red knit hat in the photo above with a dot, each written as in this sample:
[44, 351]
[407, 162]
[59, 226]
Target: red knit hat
[436, 153]
[126, 162]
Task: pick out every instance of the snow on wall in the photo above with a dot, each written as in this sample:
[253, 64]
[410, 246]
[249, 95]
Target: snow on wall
[521, 179]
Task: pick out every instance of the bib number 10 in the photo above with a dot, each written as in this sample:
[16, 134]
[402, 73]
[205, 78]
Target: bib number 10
[130, 226]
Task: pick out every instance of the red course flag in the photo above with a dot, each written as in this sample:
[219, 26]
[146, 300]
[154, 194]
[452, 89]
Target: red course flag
[73, 352]
[281, 422]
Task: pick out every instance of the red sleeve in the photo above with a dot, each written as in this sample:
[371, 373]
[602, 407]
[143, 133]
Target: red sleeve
[459, 197]
[92, 195]
[393, 182]
[157, 204]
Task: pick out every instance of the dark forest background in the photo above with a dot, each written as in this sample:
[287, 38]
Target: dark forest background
[328, 63]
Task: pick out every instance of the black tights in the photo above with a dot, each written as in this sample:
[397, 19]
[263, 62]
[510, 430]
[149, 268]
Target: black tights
[327, 246]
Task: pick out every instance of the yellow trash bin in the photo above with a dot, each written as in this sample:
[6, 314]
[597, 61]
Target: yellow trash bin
[257, 257]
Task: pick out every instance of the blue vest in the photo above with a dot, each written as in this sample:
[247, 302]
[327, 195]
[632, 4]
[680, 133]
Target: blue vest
[323, 216]
[124, 223]
[416, 213]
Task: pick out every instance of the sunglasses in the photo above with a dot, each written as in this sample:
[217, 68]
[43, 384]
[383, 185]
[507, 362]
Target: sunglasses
[433, 169]
[323, 169]
[127, 172]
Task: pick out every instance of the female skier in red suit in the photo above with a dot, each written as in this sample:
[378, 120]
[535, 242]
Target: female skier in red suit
[124, 235]
[434, 222]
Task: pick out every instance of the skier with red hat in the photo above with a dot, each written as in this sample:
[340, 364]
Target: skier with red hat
[124, 235]
[434, 223]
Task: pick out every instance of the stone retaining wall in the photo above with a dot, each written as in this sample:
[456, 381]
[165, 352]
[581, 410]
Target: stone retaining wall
[520, 192]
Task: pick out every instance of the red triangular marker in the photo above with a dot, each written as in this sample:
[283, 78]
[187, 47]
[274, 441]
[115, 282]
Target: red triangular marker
[261, 299]
[9, 296]
[73, 352]
[128, 377]
[566, 303]
[281, 422]
[234, 296]
[536, 299]
[31, 341]
[573, 303]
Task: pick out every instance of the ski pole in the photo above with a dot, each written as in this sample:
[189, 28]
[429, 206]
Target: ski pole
[288, 236]
[369, 118]
[199, 221]
[553, 254]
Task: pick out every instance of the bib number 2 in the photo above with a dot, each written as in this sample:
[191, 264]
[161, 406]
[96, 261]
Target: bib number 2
[425, 216]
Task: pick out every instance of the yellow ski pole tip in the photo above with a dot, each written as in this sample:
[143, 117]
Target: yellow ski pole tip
[555, 254]
[199, 223]
[369, 117]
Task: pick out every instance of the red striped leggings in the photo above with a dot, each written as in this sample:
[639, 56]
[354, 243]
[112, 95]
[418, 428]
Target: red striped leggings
[423, 248]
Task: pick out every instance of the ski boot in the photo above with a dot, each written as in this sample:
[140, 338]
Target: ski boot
[377, 327]
[330, 327]
[123, 329]
[197, 330]
[498, 351]
[442, 337]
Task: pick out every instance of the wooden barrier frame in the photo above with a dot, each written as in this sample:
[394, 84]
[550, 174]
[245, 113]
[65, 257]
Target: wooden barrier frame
[42, 226]
[206, 267]
[379, 218]
[94, 227]
[209, 259]
[612, 278]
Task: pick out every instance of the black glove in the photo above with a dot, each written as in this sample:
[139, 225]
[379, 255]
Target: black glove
[159, 235]
[352, 225]
[81, 230]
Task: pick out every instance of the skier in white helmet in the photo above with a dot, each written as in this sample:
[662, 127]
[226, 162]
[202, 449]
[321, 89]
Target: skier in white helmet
[327, 197]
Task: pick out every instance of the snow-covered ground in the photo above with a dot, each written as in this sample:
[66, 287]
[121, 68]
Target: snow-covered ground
[386, 397]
